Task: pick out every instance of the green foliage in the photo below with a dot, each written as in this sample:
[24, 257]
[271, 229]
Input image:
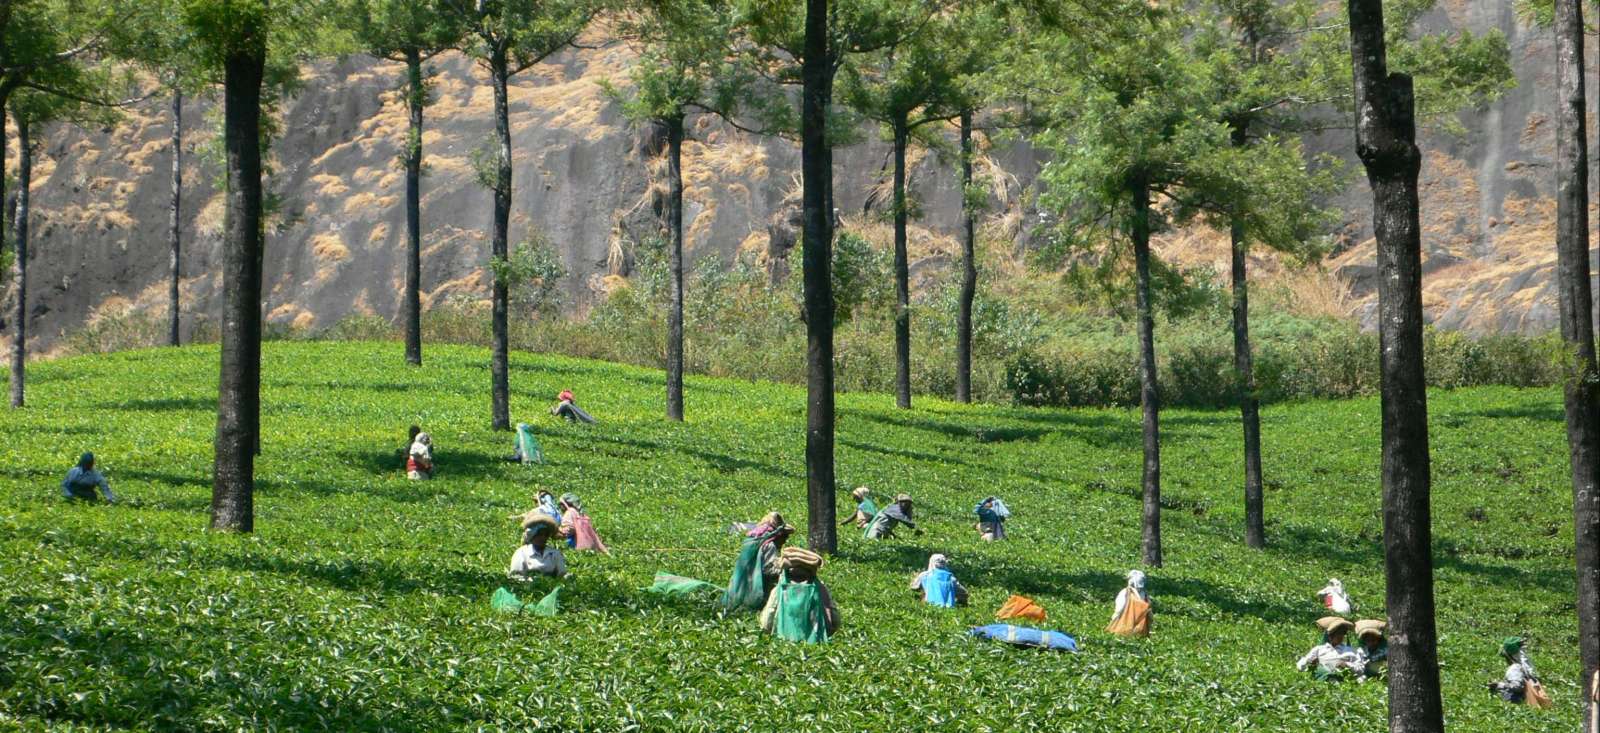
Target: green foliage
[860, 276]
[686, 63]
[362, 600]
[533, 274]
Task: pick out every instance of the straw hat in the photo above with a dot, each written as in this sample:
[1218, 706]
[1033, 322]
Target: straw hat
[571, 499]
[860, 493]
[798, 557]
[540, 520]
[902, 497]
[1331, 624]
[1369, 626]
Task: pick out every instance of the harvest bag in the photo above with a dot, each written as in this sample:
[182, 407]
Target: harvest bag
[1135, 619]
[744, 588]
[800, 613]
[584, 535]
[940, 588]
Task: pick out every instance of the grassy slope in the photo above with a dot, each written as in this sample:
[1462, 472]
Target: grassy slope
[361, 601]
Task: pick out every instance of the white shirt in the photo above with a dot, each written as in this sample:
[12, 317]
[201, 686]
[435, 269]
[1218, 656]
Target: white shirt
[1329, 657]
[528, 562]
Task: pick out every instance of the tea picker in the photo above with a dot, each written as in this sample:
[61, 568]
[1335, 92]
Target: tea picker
[1131, 617]
[800, 608]
[83, 479]
[567, 407]
[938, 585]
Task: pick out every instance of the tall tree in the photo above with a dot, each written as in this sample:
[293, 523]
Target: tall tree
[507, 38]
[1282, 66]
[969, 263]
[46, 50]
[252, 50]
[1386, 144]
[235, 35]
[19, 342]
[1582, 387]
[410, 32]
[175, 222]
[1134, 117]
[917, 82]
[791, 44]
[816, 175]
[685, 68]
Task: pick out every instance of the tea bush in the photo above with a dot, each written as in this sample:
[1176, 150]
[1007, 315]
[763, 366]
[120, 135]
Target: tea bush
[361, 601]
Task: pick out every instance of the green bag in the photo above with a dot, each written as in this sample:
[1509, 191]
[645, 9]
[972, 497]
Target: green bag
[677, 586]
[744, 588]
[507, 602]
[800, 613]
[528, 448]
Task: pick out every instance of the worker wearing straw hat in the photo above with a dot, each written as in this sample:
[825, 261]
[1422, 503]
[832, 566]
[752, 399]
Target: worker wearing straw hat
[1329, 659]
[800, 608]
[894, 515]
[1372, 650]
[538, 555]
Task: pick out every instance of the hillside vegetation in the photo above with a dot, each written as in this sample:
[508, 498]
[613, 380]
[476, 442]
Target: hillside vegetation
[361, 601]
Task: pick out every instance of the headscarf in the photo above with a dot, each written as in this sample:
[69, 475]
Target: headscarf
[1136, 581]
[423, 439]
[547, 504]
[860, 493]
[1511, 647]
[937, 561]
[86, 460]
[772, 521]
[571, 499]
[565, 396]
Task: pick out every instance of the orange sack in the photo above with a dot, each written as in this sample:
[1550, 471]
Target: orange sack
[1020, 607]
[1135, 619]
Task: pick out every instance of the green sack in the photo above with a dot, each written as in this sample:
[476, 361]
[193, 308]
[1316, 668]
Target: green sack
[800, 613]
[528, 446]
[549, 606]
[677, 586]
[507, 602]
[745, 590]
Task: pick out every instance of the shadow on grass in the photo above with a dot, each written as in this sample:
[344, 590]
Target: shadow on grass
[162, 404]
[450, 463]
[720, 462]
[140, 699]
[1546, 413]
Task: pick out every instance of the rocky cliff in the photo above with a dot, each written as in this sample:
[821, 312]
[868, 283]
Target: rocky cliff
[586, 178]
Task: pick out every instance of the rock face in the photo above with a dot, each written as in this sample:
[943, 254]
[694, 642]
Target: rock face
[588, 180]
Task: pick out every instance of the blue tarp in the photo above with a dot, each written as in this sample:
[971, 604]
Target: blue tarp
[1027, 636]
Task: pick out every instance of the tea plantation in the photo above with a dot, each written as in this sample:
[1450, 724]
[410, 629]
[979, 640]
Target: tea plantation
[361, 601]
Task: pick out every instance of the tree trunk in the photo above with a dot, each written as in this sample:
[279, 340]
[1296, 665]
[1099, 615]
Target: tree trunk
[1149, 397]
[1582, 392]
[412, 310]
[817, 243]
[19, 342]
[239, 390]
[1386, 143]
[902, 275]
[174, 222]
[969, 271]
[1255, 534]
[675, 267]
[499, 366]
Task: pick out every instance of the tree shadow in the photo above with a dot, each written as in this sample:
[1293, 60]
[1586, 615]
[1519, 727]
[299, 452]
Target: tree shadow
[162, 404]
[140, 701]
[721, 463]
[1546, 413]
[451, 463]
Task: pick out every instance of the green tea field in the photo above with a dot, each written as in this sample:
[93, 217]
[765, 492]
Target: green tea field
[361, 602]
